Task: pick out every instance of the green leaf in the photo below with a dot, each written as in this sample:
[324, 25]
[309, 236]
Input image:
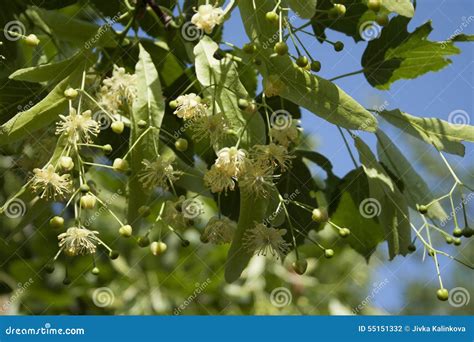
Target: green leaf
[56, 70]
[303, 8]
[150, 107]
[42, 114]
[402, 7]
[393, 209]
[73, 30]
[398, 54]
[366, 232]
[463, 38]
[443, 135]
[221, 79]
[314, 93]
[416, 190]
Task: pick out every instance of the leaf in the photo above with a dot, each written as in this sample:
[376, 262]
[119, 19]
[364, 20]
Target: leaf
[221, 80]
[387, 198]
[416, 189]
[463, 38]
[316, 94]
[443, 135]
[252, 210]
[303, 8]
[42, 114]
[348, 24]
[148, 106]
[402, 7]
[297, 183]
[344, 210]
[398, 54]
[74, 30]
[332, 180]
[45, 72]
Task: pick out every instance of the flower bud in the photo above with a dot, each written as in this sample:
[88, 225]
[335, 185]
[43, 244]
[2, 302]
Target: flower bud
[117, 127]
[300, 266]
[57, 222]
[181, 144]
[120, 165]
[32, 40]
[66, 163]
[88, 202]
[70, 93]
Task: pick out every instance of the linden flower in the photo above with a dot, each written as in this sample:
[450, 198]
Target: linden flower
[78, 127]
[285, 136]
[213, 127]
[273, 154]
[219, 230]
[231, 160]
[158, 173]
[50, 184]
[117, 90]
[217, 180]
[79, 241]
[257, 179]
[274, 86]
[189, 106]
[208, 17]
[263, 240]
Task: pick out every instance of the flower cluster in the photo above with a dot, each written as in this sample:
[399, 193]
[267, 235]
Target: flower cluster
[78, 241]
[78, 127]
[49, 184]
[189, 106]
[159, 173]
